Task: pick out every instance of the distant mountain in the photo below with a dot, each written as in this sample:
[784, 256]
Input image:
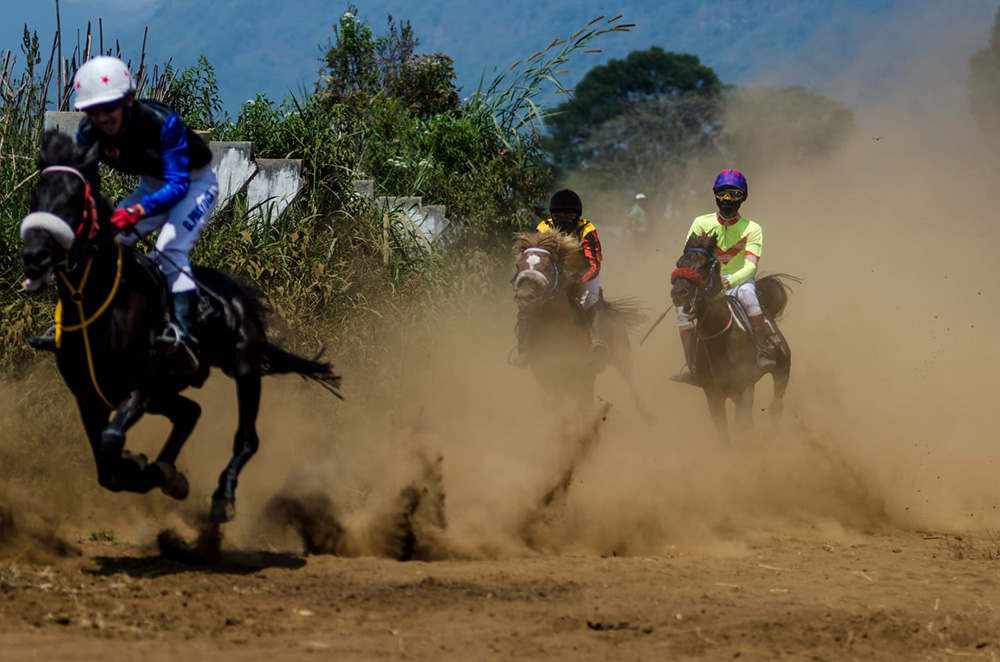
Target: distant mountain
[262, 46]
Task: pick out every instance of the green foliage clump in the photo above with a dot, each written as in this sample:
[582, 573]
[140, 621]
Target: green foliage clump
[639, 83]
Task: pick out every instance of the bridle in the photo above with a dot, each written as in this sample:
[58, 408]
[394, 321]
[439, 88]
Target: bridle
[702, 285]
[553, 282]
[88, 227]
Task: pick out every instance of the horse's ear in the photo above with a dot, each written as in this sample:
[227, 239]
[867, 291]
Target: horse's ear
[690, 240]
[90, 157]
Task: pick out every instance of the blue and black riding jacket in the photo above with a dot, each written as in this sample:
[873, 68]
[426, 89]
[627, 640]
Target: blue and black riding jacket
[153, 142]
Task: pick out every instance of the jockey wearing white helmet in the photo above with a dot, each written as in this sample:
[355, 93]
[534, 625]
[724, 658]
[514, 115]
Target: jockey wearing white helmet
[177, 189]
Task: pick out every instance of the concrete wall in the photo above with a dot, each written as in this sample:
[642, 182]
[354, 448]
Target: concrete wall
[277, 184]
[273, 184]
[63, 121]
[234, 167]
[429, 219]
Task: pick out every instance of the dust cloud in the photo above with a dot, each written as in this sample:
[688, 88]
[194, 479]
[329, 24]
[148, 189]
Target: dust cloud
[442, 450]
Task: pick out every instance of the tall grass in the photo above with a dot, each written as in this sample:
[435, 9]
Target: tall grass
[338, 268]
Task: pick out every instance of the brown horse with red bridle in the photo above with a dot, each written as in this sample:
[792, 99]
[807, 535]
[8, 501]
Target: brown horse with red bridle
[726, 355]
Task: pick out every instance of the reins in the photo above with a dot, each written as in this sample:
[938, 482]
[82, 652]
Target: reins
[76, 295]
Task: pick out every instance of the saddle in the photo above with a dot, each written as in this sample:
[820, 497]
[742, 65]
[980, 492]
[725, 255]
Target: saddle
[742, 318]
[208, 313]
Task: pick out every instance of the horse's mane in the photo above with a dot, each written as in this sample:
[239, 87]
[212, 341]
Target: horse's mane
[59, 149]
[565, 248]
[706, 242]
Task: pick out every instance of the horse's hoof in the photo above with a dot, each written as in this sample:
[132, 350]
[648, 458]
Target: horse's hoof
[174, 483]
[223, 510]
[137, 458]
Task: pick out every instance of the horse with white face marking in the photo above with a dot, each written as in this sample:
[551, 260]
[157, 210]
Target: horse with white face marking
[558, 338]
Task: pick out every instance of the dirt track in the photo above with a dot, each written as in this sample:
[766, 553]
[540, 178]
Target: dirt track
[885, 597]
[802, 542]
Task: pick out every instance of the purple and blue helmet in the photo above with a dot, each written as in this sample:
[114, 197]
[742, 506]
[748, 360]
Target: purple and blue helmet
[731, 178]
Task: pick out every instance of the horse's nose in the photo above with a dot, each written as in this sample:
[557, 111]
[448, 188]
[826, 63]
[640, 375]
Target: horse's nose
[35, 260]
[679, 294]
[525, 297]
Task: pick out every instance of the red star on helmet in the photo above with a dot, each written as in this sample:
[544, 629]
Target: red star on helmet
[104, 79]
[78, 86]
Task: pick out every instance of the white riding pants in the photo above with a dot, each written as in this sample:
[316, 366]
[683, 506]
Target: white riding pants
[746, 293]
[180, 226]
[590, 292]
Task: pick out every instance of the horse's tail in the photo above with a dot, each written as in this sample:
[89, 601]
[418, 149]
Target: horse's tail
[277, 361]
[627, 312]
[773, 292]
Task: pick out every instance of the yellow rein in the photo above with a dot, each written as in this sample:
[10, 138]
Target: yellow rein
[77, 296]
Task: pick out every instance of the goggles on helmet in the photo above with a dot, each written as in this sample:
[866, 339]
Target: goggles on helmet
[730, 194]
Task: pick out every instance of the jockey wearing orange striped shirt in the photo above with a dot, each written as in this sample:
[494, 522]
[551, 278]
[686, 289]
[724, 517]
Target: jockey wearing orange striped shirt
[740, 245]
[566, 211]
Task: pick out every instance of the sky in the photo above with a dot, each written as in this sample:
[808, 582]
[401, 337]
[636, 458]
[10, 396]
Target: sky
[259, 46]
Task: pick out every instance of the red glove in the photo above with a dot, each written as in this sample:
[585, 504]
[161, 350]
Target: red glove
[125, 219]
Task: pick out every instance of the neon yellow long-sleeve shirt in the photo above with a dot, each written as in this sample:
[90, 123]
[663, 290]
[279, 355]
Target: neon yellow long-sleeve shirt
[740, 245]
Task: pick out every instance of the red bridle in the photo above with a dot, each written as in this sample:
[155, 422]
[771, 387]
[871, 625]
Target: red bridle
[89, 215]
[687, 274]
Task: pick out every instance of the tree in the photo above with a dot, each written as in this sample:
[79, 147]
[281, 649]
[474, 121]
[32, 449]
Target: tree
[767, 125]
[358, 65]
[649, 146]
[984, 83]
[619, 86]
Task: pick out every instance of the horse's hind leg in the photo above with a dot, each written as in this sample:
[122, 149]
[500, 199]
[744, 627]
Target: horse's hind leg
[717, 408]
[780, 375]
[183, 414]
[622, 356]
[244, 446]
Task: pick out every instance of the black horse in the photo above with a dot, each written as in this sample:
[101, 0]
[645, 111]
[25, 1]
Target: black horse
[112, 306]
[726, 356]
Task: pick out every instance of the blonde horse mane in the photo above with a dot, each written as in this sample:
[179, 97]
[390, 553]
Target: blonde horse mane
[564, 248]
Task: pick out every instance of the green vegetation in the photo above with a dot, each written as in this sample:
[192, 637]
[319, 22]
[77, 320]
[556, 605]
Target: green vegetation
[104, 536]
[654, 121]
[336, 267]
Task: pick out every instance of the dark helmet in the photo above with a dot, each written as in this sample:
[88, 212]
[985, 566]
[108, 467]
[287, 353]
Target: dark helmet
[566, 199]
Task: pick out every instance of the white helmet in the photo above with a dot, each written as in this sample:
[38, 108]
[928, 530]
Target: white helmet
[100, 80]
[640, 196]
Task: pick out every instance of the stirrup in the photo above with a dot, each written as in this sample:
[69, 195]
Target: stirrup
[45, 342]
[518, 357]
[600, 352]
[766, 363]
[685, 377]
[172, 335]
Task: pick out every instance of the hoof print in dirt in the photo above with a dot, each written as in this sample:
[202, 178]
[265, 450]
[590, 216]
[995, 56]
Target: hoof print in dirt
[411, 529]
[313, 517]
[205, 550]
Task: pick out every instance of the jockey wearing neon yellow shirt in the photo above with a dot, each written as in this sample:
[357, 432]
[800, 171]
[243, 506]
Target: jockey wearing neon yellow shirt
[740, 246]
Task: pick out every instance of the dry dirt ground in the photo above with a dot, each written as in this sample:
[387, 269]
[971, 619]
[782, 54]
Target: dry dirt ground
[905, 596]
[863, 527]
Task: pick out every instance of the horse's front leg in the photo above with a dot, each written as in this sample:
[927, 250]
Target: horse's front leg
[245, 444]
[183, 414]
[744, 409]
[117, 469]
[717, 408]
